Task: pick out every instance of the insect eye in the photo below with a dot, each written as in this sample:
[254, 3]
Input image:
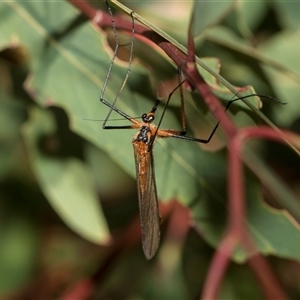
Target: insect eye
[148, 118]
[151, 118]
[144, 117]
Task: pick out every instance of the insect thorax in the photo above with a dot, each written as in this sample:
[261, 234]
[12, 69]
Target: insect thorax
[143, 135]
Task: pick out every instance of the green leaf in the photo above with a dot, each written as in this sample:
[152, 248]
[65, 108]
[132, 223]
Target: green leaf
[66, 183]
[206, 14]
[287, 13]
[250, 14]
[286, 79]
[271, 222]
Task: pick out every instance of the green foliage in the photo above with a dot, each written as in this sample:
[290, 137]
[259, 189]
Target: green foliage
[61, 60]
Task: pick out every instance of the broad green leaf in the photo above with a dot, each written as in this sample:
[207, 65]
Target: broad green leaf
[272, 222]
[66, 183]
[206, 14]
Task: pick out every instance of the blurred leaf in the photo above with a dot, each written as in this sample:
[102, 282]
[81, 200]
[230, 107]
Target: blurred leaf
[18, 250]
[250, 14]
[271, 222]
[287, 13]
[247, 289]
[175, 21]
[106, 173]
[206, 14]
[284, 47]
[286, 197]
[264, 223]
[66, 183]
[12, 114]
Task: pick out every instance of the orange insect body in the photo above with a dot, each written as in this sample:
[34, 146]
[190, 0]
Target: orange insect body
[147, 194]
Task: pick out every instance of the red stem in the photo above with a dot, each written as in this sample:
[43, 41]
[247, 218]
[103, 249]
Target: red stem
[237, 233]
[218, 267]
[259, 265]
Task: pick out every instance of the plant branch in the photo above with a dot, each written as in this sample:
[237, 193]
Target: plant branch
[237, 234]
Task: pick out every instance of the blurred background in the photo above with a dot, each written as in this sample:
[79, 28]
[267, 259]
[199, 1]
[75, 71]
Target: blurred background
[56, 240]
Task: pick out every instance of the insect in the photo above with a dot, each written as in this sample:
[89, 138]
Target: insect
[143, 142]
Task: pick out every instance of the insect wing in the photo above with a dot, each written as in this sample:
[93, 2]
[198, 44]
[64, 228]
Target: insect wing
[148, 205]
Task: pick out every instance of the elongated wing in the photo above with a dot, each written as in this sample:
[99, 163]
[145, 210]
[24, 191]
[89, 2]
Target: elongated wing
[149, 214]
